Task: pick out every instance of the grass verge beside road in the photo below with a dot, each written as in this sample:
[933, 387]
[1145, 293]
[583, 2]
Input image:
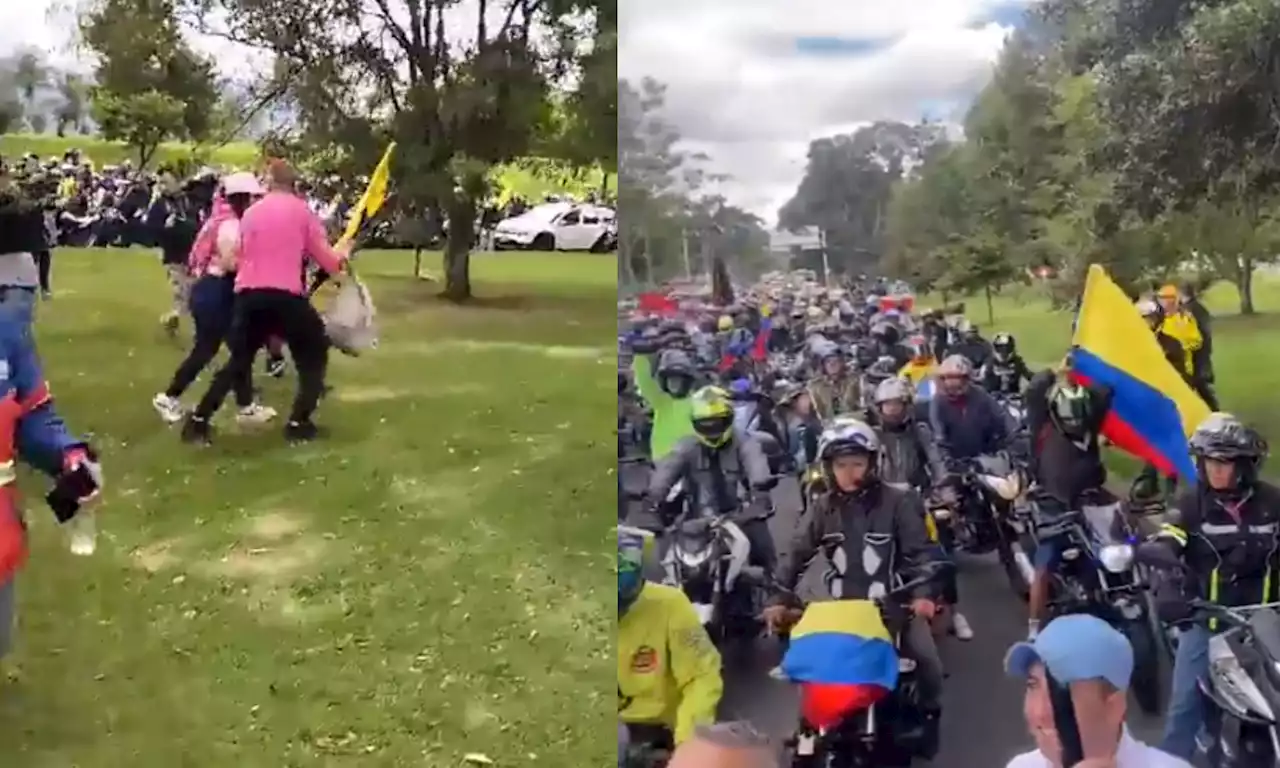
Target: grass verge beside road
[429, 582]
[1248, 382]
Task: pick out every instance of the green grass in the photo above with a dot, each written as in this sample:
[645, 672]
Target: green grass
[244, 155]
[1247, 382]
[430, 581]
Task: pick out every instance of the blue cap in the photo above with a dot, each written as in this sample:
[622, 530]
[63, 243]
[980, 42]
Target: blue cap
[1076, 648]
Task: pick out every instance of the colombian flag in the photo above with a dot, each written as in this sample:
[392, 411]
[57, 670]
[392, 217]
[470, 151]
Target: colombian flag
[1154, 410]
[842, 657]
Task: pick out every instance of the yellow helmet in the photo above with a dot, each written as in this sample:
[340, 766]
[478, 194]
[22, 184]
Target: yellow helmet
[725, 323]
[712, 416]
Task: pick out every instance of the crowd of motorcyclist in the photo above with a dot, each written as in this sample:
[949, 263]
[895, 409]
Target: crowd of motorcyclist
[886, 416]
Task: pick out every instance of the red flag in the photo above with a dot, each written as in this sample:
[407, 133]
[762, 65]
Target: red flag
[657, 303]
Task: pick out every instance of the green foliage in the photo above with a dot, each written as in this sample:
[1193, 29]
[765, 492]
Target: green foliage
[150, 86]
[1139, 135]
[459, 99]
[847, 186]
[140, 120]
[670, 224]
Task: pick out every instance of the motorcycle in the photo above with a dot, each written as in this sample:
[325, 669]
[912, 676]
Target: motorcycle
[1015, 411]
[974, 515]
[1243, 684]
[1097, 574]
[890, 732]
[706, 558]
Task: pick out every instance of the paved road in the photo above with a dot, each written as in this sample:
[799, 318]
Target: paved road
[982, 708]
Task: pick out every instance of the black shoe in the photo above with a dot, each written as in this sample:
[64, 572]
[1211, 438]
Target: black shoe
[302, 431]
[275, 367]
[197, 431]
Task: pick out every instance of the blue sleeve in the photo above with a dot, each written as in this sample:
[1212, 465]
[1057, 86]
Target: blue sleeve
[42, 438]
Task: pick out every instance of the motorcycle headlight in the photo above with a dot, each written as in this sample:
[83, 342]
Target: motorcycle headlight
[1116, 558]
[1007, 488]
[693, 557]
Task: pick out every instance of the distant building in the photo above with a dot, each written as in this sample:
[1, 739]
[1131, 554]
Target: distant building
[787, 244]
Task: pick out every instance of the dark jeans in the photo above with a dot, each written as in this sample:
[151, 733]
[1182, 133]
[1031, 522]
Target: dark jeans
[44, 264]
[212, 306]
[919, 644]
[258, 314]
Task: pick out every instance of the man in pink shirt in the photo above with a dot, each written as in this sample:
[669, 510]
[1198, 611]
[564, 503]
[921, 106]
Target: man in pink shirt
[277, 235]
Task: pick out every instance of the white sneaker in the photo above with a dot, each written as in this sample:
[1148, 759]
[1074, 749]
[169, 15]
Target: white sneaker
[169, 408]
[256, 414]
[960, 626]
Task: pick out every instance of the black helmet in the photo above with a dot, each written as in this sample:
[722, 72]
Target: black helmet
[1225, 438]
[1003, 345]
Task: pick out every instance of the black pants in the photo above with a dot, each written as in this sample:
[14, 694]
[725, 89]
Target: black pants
[44, 264]
[212, 305]
[258, 314]
[1205, 390]
[763, 552]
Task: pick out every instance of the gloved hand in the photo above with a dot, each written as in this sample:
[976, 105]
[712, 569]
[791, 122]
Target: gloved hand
[79, 482]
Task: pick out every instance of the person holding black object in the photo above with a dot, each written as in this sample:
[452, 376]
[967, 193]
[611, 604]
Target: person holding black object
[1077, 672]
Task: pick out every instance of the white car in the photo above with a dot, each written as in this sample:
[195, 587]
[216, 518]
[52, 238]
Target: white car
[559, 227]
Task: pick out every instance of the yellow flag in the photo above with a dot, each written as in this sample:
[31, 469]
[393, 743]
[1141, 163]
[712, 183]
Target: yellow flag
[374, 196]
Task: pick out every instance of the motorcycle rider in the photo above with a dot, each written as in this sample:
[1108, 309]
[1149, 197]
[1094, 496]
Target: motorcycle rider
[971, 345]
[666, 388]
[886, 339]
[797, 426]
[922, 363]
[835, 390]
[1065, 421]
[966, 420]
[723, 465]
[909, 456]
[884, 536]
[1225, 530]
[1005, 370]
[669, 679]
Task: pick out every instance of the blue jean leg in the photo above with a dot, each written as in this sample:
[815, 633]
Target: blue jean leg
[1186, 706]
[19, 304]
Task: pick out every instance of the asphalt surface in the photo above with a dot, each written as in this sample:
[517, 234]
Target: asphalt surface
[982, 721]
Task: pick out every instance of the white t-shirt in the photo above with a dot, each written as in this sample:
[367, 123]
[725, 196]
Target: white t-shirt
[1131, 754]
[226, 245]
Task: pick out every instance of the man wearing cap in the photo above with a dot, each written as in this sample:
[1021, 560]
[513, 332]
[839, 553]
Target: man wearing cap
[1096, 661]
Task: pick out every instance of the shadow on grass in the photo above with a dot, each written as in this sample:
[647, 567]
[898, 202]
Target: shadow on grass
[407, 296]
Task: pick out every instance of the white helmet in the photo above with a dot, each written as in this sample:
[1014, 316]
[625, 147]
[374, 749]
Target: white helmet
[848, 437]
[893, 388]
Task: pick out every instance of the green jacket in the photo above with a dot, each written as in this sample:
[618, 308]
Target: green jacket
[672, 417]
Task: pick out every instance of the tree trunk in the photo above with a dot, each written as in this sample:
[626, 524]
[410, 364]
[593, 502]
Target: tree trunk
[604, 185]
[1244, 285]
[457, 251]
[991, 307]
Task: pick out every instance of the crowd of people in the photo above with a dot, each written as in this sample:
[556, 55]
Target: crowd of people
[881, 411]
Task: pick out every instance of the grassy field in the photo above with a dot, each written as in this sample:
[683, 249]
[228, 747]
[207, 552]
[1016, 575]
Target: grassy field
[1247, 382]
[520, 181]
[431, 581]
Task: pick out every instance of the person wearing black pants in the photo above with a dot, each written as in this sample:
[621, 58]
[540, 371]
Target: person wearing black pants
[44, 267]
[278, 235]
[259, 313]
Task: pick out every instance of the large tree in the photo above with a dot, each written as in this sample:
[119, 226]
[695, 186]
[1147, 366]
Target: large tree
[846, 188]
[459, 88]
[149, 84]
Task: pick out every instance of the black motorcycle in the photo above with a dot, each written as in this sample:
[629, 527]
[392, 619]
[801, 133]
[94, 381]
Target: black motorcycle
[1097, 574]
[1242, 688]
[891, 732]
[973, 513]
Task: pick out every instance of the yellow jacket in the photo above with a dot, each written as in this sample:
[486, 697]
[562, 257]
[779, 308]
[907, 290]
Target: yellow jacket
[668, 670]
[918, 372]
[1182, 328]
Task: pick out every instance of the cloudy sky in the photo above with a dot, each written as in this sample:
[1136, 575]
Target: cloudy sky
[751, 82]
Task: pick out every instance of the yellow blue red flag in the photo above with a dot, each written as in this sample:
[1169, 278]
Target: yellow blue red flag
[842, 656]
[1153, 410]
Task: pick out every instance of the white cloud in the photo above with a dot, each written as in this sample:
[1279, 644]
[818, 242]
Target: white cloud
[739, 91]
